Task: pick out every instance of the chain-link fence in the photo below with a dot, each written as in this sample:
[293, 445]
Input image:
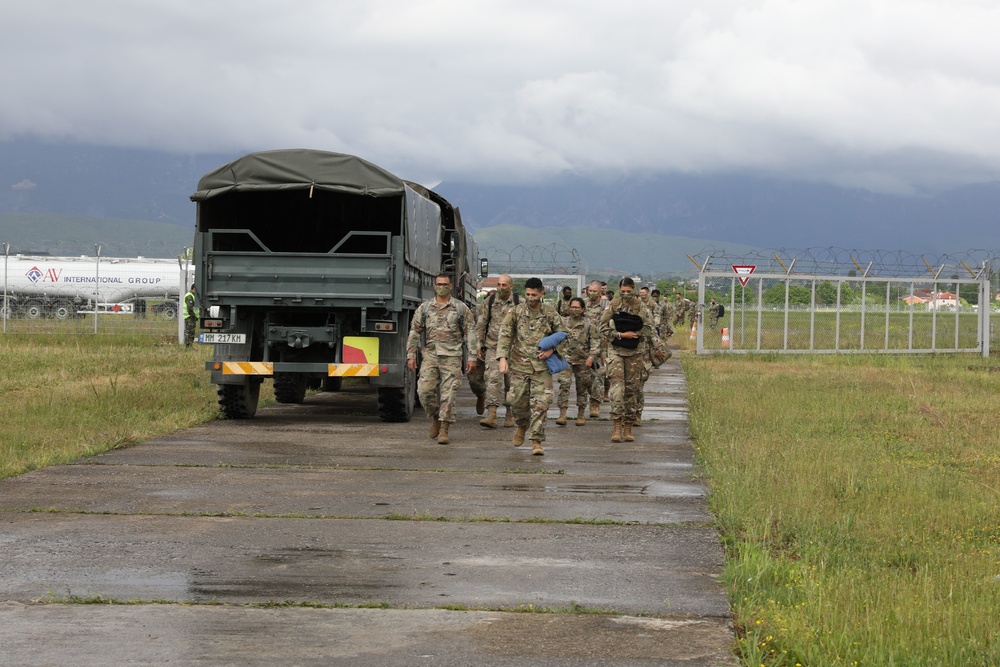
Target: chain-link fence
[845, 301]
[92, 294]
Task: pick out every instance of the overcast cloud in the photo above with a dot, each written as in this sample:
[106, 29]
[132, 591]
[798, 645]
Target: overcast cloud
[893, 95]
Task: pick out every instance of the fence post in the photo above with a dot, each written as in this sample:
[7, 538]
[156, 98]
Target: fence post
[6, 307]
[97, 283]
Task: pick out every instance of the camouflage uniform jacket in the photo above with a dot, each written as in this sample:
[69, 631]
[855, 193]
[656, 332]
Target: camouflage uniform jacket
[520, 334]
[490, 319]
[594, 310]
[447, 327]
[666, 311]
[582, 340]
[608, 331]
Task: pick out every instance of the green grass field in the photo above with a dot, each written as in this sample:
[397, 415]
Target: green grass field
[828, 330]
[858, 499]
[67, 396]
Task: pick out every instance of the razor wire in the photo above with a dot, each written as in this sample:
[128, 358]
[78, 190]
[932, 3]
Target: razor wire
[553, 259]
[836, 261]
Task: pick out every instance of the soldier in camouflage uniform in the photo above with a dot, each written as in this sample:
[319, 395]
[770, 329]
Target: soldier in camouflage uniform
[476, 378]
[666, 317]
[517, 351]
[446, 325]
[627, 326]
[491, 315]
[580, 350]
[680, 310]
[647, 365]
[661, 311]
[713, 314]
[595, 305]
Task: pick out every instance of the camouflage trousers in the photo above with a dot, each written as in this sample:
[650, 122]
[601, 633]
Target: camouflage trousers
[440, 378]
[190, 323]
[530, 396]
[647, 368]
[583, 377]
[597, 383]
[626, 375]
[497, 384]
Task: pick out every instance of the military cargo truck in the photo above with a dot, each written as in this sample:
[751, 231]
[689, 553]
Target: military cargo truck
[310, 266]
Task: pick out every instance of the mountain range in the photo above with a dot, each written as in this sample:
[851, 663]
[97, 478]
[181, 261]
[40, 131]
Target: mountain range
[63, 198]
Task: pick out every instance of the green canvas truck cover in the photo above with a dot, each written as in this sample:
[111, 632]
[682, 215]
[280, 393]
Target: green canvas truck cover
[299, 169]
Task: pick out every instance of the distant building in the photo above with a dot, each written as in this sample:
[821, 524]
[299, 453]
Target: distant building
[932, 300]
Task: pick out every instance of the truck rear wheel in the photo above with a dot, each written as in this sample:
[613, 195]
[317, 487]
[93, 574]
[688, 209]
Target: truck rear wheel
[34, 310]
[239, 401]
[62, 310]
[333, 383]
[167, 309]
[395, 404]
[290, 387]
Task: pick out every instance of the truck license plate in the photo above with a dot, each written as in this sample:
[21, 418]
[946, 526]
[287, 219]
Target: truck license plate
[224, 338]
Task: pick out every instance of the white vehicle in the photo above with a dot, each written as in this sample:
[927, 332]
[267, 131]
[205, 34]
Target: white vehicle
[37, 286]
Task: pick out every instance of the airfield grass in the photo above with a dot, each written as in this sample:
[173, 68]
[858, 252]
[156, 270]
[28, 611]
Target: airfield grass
[858, 497]
[66, 396]
[829, 330]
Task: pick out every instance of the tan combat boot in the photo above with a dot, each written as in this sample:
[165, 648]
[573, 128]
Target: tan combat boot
[490, 420]
[435, 428]
[508, 421]
[519, 435]
[561, 419]
[638, 421]
[595, 409]
[616, 435]
[581, 419]
[443, 433]
[480, 404]
[536, 448]
[627, 433]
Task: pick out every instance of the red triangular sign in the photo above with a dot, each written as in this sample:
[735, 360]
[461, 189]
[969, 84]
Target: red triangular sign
[743, 272]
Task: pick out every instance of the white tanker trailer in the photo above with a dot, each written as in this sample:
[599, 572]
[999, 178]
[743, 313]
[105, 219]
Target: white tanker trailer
[39, 286]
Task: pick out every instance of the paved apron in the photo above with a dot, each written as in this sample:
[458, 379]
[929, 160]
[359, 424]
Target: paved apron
[315, 534]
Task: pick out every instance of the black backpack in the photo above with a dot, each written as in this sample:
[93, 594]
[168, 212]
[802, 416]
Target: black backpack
[722, 310]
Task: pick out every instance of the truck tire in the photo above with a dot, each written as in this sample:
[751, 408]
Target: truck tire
[62, 310]
[239, 401]
[333, 383]
[34, 310]
[167, 309]
[395, 404]
[290, 387]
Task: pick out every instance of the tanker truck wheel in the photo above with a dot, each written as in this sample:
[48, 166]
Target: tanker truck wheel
[290, 387]
[167, 309]
[62, 311]
[395, 404]
[34, 310]
[239, 401]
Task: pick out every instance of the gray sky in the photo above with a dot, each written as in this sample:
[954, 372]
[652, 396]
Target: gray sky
[892, 95]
